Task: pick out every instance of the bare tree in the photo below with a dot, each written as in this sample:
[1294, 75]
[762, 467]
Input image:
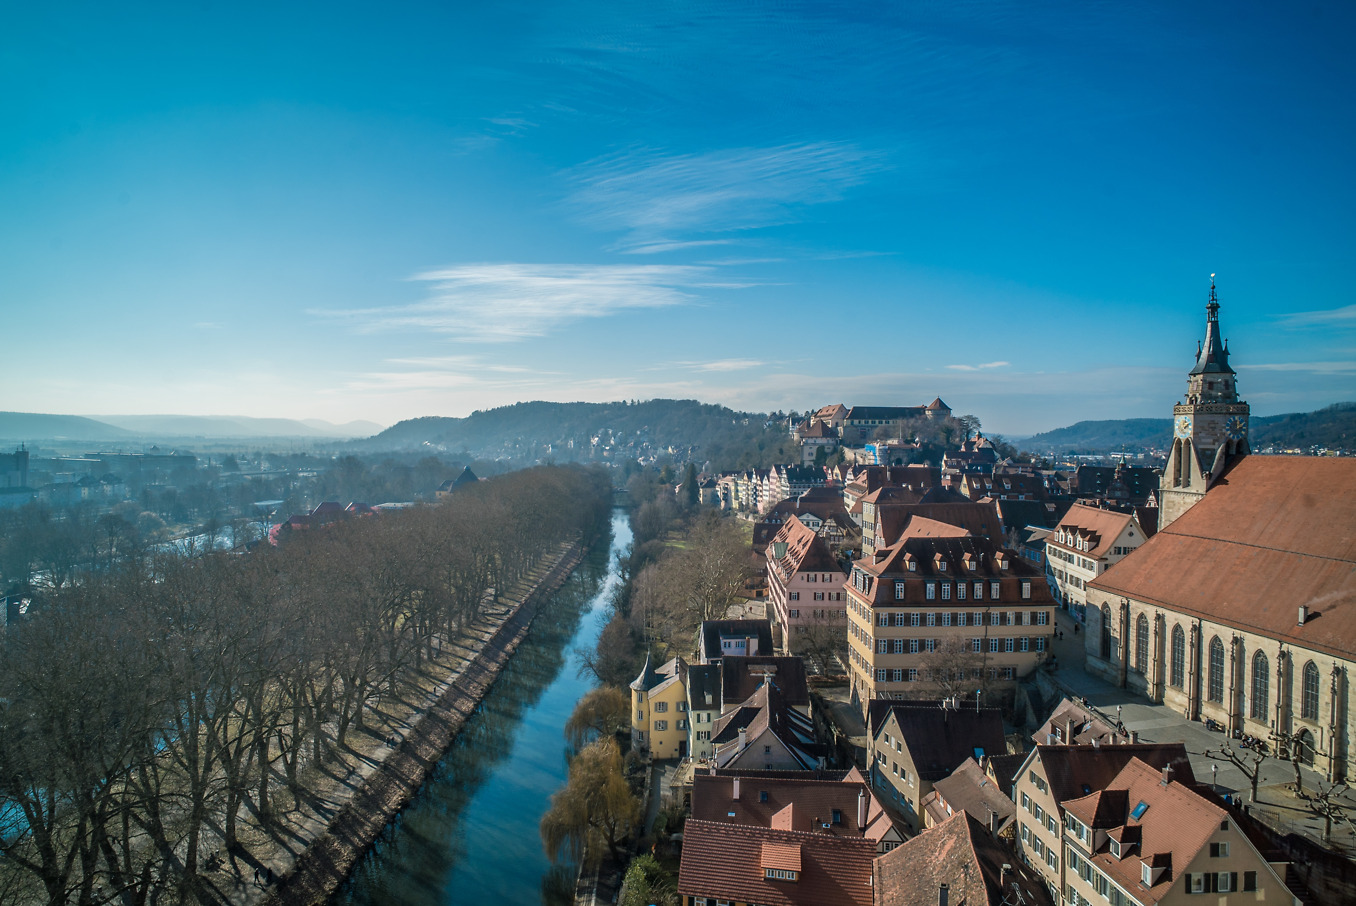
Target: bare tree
[1250, 764]
[1326, 804]
[953, 667]
[822, 641]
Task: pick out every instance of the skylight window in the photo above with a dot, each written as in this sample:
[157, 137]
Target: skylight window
[1140, 810]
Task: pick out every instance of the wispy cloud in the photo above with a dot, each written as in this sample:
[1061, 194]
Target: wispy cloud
[1310, 367]
[656, 197]
[672, 245]
[1342, 317]
[985, 367]
[723, 365]
[506, 302]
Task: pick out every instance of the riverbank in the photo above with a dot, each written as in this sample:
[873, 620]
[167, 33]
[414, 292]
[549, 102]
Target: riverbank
[351, 802]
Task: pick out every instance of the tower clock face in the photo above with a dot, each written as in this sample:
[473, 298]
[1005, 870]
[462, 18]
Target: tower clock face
[1236, 428]
[1183, 426]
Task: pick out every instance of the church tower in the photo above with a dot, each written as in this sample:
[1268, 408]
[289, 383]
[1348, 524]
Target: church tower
[1209, 429]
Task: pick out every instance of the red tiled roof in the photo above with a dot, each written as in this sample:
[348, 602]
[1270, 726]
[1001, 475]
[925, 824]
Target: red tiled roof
[1098, 526]
[1174, 826]
[1272, 533]
[976, 517]
[1070, 769]
[790, 803]
[970, 790]
[726, 862]
[805, 551]
[961, 854]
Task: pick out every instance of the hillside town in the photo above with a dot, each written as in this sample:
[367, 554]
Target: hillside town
[988, 682]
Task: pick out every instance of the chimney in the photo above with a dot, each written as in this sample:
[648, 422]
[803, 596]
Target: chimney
[993, 821]
[743, 738]
[942, 893]
[735, 794]
[1303, 614]
[1167, 774]
[1003, 878]
[861, 810]
[1069, 731]
[1096, 742]
[1134, 736]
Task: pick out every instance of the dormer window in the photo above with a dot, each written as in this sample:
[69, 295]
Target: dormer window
[1116, 848]
[1146, 875]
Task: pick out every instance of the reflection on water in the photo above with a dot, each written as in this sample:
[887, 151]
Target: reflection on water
[471, 834]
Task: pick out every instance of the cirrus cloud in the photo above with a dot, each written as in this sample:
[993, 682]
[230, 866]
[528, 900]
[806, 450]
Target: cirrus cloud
[507, 302]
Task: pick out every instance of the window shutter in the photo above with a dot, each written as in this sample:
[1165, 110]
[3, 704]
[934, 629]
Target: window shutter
[1233, 881]
[1249, 880]
[1214, 850]
[1210, 882]
[1187, 878]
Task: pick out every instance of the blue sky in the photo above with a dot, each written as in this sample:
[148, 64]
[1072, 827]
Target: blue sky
[349, 211]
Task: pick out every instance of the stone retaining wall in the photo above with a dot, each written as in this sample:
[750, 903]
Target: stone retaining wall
[326, 863]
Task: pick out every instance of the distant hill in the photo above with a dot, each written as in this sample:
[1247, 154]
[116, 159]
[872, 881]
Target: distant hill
[216, 426]
[1098, 436]
[595, 431]
[18, 427]
[1333, 427]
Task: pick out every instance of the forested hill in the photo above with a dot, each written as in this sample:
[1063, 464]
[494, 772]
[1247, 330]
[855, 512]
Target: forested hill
[1333, 428]
[682, 429]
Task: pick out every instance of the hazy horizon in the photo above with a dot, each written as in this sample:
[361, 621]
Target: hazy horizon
[381, 214]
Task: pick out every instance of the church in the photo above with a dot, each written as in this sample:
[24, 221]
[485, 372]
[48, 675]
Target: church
[1242, 608]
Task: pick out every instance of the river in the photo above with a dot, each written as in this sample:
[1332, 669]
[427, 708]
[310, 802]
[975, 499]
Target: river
[470, 836]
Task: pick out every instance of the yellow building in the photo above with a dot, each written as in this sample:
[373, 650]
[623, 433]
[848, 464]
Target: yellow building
[659, 716]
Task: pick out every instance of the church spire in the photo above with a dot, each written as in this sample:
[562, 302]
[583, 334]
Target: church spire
[1212, 356]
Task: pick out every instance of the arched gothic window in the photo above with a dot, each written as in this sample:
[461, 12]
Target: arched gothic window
[1106, 632]
[1309, 692]
[1261, 685]
[1216, 690]
[1178, 673]
[1142, 645]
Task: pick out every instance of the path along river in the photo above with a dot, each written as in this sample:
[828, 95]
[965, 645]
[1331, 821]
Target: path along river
[471, 834]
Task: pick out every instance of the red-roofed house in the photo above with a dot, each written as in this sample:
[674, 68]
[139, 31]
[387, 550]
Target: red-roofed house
[805, 583]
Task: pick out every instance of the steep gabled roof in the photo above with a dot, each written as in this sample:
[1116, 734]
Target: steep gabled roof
[970, 790]
[790, 803]
[961, 854]
[1098, 527]
[741, 677]
[1075, 771]
[940, 739]
[1169, 822]
[805, 551]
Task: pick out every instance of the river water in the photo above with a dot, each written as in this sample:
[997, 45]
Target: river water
[470, 836]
